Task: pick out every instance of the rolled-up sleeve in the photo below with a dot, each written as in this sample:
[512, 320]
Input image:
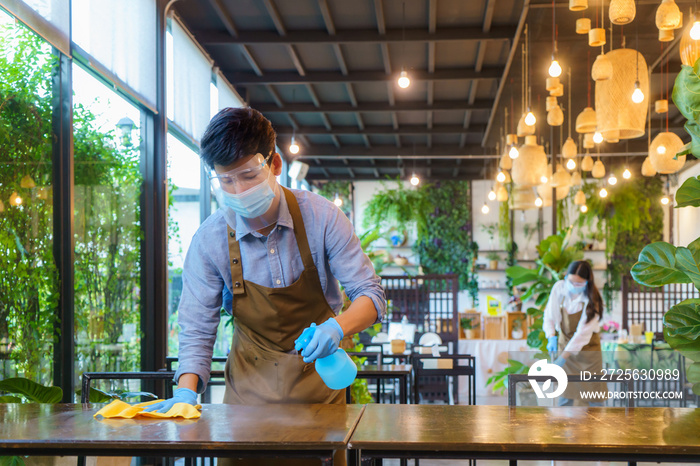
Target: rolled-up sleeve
[350, 265]
[198, 313]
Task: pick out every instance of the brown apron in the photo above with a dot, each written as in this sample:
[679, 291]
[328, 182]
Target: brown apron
[589, 358]
[262, 367]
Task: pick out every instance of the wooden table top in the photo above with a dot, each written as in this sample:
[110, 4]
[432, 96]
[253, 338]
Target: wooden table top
[221, 428]
[388, 369]
[528, 429]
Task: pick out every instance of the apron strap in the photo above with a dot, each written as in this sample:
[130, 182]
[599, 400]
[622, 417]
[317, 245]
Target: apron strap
[234, 254]
[299, 229]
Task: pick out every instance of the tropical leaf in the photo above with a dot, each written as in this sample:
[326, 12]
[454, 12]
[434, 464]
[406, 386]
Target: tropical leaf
[10, 399]
[689, 262]
[688, 195]
[693, 373]
[686, 93]
[657, 266]
[683, 321]
[521, 275]
[34, 392]
[11, 461]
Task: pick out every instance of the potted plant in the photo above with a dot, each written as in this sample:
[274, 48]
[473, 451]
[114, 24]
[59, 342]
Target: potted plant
[529, 230]
[468, 327]
[493, 258]
[517, 331]
[490, 229]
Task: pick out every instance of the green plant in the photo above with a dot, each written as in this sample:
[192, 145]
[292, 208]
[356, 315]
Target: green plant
[466, 323]
[341, 188]
[511, 261]
[493, 256]
[518, 323]
[555, 254]
[400, 208]
[491, 229]
[504, 222]
[529, 230]
[499, 379]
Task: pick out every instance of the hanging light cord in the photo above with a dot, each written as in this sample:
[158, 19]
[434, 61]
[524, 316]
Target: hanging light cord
[569, 109]
[403, 35]
[554, 22]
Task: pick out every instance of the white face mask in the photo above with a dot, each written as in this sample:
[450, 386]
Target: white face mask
[251, 203]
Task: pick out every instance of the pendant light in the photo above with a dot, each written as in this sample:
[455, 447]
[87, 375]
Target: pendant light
[554, 67]
[555, 117]
[584, 208]
[485, 209]
[602, 68]
[492, 195]
[622, 11]
[580, 198]
[415, 181]
[338, 201]
[647, 168]
[576, 178]
[583, 25]
[689, 46]
[578, 5]
[15, 199]
[529, 168]
[571, 164]
[668, 15]
[661, 106]
[404, 81]
[586, 121]
[612, 180]
[665, 200]
[538, 202]
[663, 150]
[627, 174]
[597, 137]
[294, 147]
[506, 162]
[569, 149]
[529, 119]
[587, 163]
[502, 194]
[2, 206]
[501, 177]
[561, 178]
[27, 182]
[588, 142]
[598, 169]
[603, 193]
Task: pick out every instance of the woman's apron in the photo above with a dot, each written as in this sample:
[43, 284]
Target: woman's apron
[262, 367]
[589, 358]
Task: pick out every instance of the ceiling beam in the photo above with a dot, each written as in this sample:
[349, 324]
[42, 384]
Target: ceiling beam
[370, 107]
[319, 177]
[383, 130]
[248, 79]
[422, 165]
[318, 36]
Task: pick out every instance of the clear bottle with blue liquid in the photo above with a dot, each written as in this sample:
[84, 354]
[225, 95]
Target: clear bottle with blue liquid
[336, 370]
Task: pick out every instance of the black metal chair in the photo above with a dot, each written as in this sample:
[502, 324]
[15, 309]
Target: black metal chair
[164, 376]
[217, 378]
[437, 378]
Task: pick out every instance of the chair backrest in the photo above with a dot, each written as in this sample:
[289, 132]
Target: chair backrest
[515, 379]
[88, 377]
[431, 377]
[373, 357]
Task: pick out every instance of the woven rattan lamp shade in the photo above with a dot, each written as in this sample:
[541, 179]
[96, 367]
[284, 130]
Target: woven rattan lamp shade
[602, 69]
[561, 178]
[661, 106]
[662, 150]
[523, 199]
[612, 136]
[511, 139]
[578, 5]
[529, 167]
[596, 37]
[552, 83]
[506, 162]
[523, 128]
[622, 11]
[588, 142]
[666, 35]
[586, 121]
[576, 179]
[647, 168]
[502, 194]
[587, 163]
[580, 198]
[557, 91]
[568, 149]
[614, 107]
[598, 169]
[550, 102]
[545, 192]
[555, 117]
[583, 25]
[689, 48]
[668, 15]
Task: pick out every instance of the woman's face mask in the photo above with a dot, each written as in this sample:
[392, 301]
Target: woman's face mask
[575, 288]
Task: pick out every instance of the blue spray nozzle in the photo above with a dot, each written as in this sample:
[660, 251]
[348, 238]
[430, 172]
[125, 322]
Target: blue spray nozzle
[305, 337]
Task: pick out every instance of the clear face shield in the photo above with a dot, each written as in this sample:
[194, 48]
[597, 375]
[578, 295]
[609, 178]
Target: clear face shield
[248, 190]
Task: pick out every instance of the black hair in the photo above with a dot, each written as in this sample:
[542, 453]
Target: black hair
[235, 133]
[595, 302]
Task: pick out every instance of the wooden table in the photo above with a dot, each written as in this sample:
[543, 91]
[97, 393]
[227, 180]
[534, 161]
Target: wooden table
[400, 372]
[528, 433]
[287, 431]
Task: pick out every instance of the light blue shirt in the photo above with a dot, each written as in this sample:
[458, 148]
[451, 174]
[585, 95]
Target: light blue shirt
[273, 261]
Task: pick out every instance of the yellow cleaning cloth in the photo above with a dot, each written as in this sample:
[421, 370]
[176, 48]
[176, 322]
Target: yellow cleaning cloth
[121, 410]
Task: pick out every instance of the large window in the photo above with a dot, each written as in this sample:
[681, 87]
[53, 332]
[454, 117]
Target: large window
[28, 276]
[107, 228]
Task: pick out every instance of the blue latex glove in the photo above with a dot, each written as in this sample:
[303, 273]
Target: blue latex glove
[552, 344]
[324, 342]
[180, 395]
[560, 361]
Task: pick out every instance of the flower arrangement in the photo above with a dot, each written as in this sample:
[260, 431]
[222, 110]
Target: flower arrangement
[610, 327]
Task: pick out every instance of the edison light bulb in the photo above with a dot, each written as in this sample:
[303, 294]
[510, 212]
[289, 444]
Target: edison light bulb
[538, 202]
[543, 179]
[530, 119]
[597, 137]
[294, 147]
[404, 82]
[415, 180]
[554, 69]
[571, 164]
[603, 192]
[485, 209]
[695, 31]
[612, 181]
[492, 195]
[627, 174]
[501, 177]
[661, 149]
[513, 153]
[637, 95]
[665, 200]
[584, 208]
[338, 201]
